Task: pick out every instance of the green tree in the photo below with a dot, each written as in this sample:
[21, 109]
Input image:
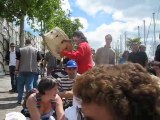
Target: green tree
[44, 13]
[130, 41]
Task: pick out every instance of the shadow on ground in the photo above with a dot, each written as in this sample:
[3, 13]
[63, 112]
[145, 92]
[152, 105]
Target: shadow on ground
[8, 106]
[8, 99]
[3, 91]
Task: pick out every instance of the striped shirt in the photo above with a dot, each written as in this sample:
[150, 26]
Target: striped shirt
[66, 84]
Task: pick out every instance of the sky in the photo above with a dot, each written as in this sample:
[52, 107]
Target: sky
[116, 17]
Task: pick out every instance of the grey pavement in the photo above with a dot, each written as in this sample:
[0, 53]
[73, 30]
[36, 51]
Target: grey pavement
[8, 101]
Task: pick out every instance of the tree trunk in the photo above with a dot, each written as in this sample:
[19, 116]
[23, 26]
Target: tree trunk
[21, 34]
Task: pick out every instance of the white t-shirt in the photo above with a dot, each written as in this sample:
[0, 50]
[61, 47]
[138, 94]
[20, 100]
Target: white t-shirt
[71, 112]
[77, 102]
[12, 61]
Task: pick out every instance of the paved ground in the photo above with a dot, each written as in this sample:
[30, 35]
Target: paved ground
[7, 100]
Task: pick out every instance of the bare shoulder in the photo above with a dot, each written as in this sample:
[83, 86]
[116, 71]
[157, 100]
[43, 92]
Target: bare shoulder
[31, 100]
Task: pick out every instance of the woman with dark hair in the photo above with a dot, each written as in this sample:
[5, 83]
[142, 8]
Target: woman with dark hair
[119, 92]
[124, 57]
[42, 104]
[83, 54]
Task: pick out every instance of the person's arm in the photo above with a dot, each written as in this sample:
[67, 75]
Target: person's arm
[66, 94]
[32, 108]
[18, 56]
[74, 54]
[59, 108]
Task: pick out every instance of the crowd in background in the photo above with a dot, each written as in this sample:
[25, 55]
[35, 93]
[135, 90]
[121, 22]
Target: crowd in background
[97, 87]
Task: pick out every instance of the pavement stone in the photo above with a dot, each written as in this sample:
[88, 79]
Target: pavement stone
[8, 101]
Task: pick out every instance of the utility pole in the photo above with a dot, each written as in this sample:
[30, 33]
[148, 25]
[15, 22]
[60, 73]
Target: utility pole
[144, 32]
[138, 33]
[154, 33]
[118, 46]
[125, 38]
[120, 43]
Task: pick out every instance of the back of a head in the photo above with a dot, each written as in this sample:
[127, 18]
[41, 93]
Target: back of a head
[142, 48]
[128, 91]
[28, 41]
[80, 35]
[126, 52]
[46, 83]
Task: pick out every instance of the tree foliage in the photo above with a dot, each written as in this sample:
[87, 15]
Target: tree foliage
[43, 13]
[130, 41]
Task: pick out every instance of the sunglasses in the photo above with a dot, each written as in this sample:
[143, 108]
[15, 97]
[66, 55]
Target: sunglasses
[71, 68]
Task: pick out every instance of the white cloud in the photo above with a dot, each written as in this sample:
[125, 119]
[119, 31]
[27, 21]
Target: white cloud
[65, 5]
[127, 8]
[127, 16]
[97, 38]
[91, 7]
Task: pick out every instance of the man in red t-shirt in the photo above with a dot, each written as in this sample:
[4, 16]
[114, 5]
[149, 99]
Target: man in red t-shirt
[83, 54]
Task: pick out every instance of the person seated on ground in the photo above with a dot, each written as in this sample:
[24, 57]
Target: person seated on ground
[124, 57]
[66, 83]
[42, 104]
[118, 92]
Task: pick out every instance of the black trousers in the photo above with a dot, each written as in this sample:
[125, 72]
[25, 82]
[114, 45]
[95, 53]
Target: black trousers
[13, 77]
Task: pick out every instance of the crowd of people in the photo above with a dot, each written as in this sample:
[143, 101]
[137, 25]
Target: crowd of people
[90, 86]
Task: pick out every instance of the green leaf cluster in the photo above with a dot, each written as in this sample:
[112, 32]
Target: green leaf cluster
[45, 14]
[130, 41]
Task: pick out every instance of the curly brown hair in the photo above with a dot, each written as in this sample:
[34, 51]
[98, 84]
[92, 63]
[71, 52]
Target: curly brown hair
[128, 91]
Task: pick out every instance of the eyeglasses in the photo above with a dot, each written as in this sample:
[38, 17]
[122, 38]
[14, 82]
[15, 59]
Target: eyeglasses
[71, 68]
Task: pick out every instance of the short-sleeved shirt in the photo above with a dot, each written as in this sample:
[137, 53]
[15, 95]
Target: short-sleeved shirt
[66, 84]
[105, 55]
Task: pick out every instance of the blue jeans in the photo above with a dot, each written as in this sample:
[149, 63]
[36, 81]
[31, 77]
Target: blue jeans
[35, 83]
[13, 77]
[24, 79]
